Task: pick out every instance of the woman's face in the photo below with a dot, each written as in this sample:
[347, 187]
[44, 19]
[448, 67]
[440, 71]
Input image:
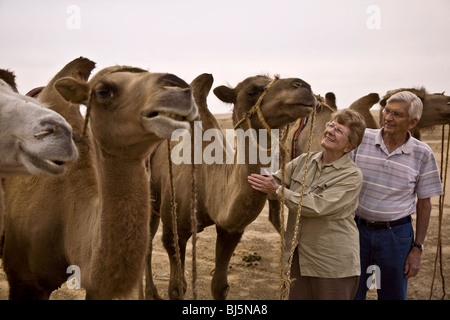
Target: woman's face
[335, 138]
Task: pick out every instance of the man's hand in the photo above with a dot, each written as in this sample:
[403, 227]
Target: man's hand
[412, 263]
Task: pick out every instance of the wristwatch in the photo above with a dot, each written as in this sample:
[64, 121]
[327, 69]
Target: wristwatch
[418, 245]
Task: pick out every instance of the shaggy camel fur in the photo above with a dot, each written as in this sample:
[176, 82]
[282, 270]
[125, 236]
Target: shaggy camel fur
[436, 108]
[224, 197]
[97, 216]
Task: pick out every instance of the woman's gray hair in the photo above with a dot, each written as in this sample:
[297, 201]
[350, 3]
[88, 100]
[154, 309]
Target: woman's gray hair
[354, 121]
[415, 104]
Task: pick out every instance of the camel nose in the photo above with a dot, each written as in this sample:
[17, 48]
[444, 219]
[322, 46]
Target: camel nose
[51, 126]
[172, 82]
[299, 83]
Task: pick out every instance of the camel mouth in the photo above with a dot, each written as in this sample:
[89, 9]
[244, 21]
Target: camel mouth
[36, 164]
[163, 123]
[171, 115]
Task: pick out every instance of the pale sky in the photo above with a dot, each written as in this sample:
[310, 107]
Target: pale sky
[349, 47]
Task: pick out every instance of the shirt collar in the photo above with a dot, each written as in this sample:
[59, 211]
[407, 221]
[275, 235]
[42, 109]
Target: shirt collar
[342, 161]
[405, 148]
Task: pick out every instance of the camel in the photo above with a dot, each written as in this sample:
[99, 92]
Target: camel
[224, 197]
[436, 108]
[95, 219]
[33, 138]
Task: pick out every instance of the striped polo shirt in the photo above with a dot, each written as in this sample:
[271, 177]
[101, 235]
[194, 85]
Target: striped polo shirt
[391, 181]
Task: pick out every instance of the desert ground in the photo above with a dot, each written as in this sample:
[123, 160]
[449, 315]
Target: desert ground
[254, 271]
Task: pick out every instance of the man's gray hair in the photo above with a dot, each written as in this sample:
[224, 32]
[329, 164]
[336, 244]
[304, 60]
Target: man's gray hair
[415, 104]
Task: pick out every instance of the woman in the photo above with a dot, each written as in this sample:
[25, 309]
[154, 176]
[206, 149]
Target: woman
[326, 262]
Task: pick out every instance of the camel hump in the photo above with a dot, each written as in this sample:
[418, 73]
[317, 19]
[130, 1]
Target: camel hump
[330, 99]
[201, 87]
[79, 68]
[365, 102]
[9, 77]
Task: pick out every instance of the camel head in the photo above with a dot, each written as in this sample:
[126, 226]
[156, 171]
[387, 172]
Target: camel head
[150, 107]
[286, 100]
[436, 108]
[33, 139]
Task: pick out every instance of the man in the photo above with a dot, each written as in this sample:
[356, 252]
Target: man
[396, 168]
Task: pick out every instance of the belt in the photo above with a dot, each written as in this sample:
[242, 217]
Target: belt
[381, 224]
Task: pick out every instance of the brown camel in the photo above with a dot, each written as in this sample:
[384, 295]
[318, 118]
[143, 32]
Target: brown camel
[96, 217]
[224, 197]
[436, 108]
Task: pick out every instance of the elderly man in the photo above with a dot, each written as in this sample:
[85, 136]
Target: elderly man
[396, 169]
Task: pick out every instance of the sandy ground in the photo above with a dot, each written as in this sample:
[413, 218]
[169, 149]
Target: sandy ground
[260, 279]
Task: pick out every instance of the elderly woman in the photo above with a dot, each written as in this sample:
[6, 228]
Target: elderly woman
[326, 261]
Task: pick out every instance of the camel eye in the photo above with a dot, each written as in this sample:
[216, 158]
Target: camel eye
[104, 93]
[254, 92]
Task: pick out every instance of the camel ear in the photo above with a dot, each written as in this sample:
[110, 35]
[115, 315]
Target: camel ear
[73, 90]
[225, 94]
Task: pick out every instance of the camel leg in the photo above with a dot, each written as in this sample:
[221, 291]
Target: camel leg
[274, 214]
[151, 292]
[225, 244]
[175, 277]
[24, 290]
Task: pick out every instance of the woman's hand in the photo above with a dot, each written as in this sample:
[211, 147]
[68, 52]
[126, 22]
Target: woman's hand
[266, 183]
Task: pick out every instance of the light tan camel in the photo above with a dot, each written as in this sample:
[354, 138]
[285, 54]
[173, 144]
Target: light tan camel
[96, 217]
[224, 197]
[436, 108]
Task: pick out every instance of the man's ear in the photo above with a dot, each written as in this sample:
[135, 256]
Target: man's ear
[73, 90]
[413, 123]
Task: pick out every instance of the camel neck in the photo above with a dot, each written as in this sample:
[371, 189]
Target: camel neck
[124, 220]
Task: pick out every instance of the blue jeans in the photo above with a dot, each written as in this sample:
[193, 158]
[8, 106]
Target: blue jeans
[384, 250]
